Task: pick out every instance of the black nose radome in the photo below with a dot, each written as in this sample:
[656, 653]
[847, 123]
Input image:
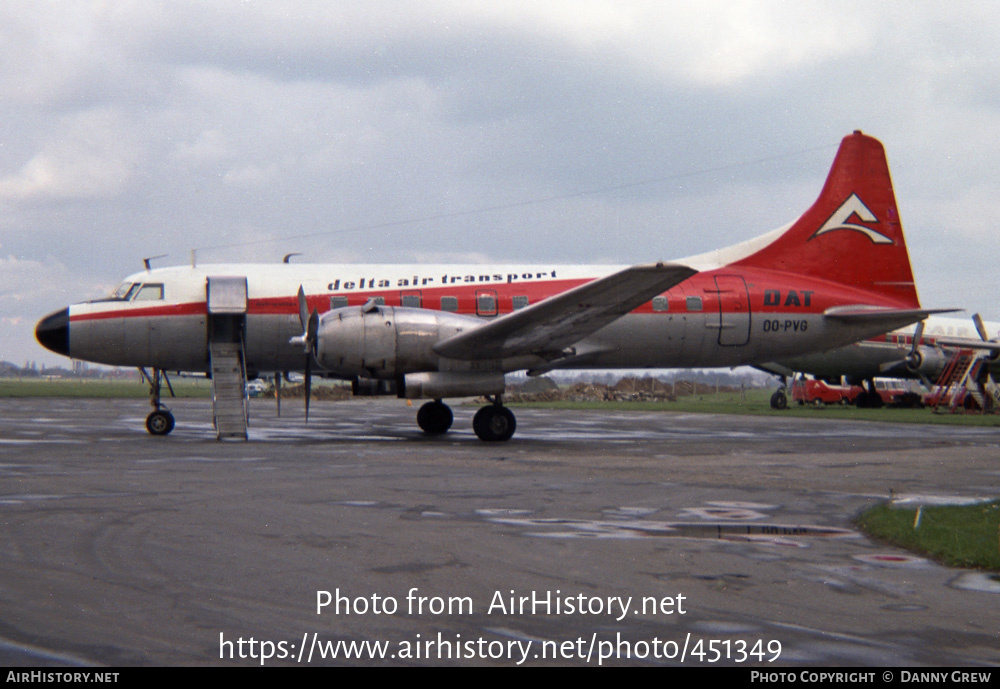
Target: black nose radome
[52, 332]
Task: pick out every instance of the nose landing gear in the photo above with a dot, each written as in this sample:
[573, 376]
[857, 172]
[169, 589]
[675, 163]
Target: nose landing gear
[160, 421]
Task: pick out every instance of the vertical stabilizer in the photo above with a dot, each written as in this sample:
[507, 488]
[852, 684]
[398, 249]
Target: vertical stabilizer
[852, 234]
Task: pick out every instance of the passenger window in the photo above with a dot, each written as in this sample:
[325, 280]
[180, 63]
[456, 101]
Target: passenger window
[449, 303]
[411, 300]
[149, 292]
[694, 304]
[661, 304]
[519, 302]
[338, 302]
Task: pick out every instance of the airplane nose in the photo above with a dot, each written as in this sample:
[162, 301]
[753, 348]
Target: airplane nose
[52, 332]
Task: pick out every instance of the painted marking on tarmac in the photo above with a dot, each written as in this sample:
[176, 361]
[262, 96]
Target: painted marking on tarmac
[772, 534]
[893, 560]
[917, 499]
[977, 581]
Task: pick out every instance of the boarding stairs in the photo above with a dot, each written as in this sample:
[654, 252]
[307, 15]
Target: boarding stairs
[959, 384]
[229, 390]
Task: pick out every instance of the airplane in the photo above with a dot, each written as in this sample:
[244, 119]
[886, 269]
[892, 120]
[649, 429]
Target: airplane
[921, 351]
[838, 274]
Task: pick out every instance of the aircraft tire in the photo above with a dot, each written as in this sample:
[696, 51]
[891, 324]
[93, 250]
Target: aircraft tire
[160, 422]
[494, 424]
[435, 418]
[779, 400]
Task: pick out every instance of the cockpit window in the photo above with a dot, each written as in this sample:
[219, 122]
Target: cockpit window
[149, 292]
[135, 291]
[124, 291]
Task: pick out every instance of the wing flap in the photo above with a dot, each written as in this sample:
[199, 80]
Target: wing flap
[550, 326]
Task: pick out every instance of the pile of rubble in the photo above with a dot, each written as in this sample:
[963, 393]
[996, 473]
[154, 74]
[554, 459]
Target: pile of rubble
[544, 389]
[625, 390]
[332, 393]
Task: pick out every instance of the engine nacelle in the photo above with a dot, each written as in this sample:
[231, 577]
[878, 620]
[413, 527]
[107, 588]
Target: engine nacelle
[439, 384]
[384, 342]
[930, 361]
[373, 387]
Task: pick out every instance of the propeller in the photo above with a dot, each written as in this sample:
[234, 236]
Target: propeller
[277, 391]
[913, 359]
[308, 340]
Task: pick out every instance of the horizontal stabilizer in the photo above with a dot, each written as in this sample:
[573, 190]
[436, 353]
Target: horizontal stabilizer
[550, 326]
[890, 318]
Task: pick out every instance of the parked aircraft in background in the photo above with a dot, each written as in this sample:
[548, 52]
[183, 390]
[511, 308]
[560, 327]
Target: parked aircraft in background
[838, 274]
[921, 351]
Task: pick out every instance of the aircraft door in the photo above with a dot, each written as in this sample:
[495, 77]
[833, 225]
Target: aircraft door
[226, 303]
[486, 302]
[734, 310]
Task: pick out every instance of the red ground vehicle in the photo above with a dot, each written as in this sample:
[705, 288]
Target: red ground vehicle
[812, 391]
[818, 392]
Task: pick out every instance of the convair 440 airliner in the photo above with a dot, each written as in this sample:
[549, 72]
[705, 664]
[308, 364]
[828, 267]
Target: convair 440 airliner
[838, 274]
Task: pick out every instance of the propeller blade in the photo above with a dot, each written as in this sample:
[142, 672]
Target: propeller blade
[277, 391]
[308, 384]
[887, 366]
[918, 335]
[312, 330]
[926, 381]
[303, 308]
[980, 328]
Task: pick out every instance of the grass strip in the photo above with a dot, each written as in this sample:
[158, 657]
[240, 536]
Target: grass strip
[956, 535]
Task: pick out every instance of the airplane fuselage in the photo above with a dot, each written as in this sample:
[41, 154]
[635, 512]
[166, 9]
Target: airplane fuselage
[715, 318]
[885, 355]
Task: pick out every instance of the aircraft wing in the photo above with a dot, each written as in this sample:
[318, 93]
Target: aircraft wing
[550, 326]
[965, 343]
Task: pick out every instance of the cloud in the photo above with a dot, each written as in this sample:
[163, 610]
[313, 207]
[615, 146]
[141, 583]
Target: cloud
[84, 156]
[515, 131]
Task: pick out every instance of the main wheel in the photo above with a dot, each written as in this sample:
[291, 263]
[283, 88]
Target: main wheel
[160, 422]
[779, 400]
[494, 423]
[434, 418]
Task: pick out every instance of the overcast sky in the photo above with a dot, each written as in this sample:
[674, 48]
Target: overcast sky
[556, 131]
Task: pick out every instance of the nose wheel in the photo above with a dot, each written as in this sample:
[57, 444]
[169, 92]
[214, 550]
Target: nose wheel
[160, 421]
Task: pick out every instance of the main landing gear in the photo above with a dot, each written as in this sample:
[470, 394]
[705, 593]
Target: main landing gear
[160, 421]
[779, 400]
[491, 423]
[434, 418]
[494, 422]
[869, 398]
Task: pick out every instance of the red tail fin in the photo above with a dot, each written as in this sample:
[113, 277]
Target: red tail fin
[852, 234]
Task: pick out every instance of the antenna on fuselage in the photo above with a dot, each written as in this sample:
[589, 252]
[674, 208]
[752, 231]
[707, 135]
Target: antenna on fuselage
[146, 261]
[194, 260]
[288, 256]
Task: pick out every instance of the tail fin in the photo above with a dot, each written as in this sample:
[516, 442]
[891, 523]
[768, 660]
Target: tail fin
[852, 234]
